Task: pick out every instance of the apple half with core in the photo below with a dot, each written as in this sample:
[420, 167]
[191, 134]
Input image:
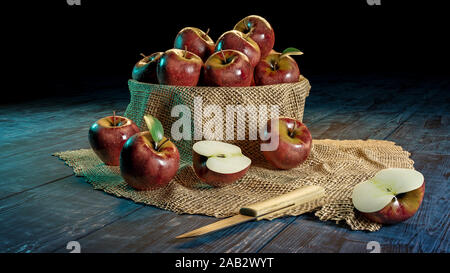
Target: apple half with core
[149, 160]
[228, 68]
[259, 30]
[145, 69]
[239, 41]
[107, 136]
[294, 142]
[278, 68]
[391, 196]
[196, 41]
[179, 67]
[218, 163]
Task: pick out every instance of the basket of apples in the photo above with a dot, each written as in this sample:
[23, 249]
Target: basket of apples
[202, 80]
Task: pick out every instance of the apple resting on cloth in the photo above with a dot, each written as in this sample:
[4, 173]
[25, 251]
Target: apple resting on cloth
[228, 68]
[179, 67]
[294, 143]
[218, 163]
[149, 160]
[145, 69]
[391, 196]
[278, 68]
[107, 136]
[239, 41]
[196, 41]
[259, 30]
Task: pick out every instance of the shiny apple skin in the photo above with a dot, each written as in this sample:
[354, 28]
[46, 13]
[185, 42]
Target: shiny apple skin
[275, 70]
[145, 69]
[291, 151]
[107, 140]
[236, 40]
[179, 67]
[259, 30]
[213, 178]
[144, 168]
[400, 209]
[196, 41]
[238, 72]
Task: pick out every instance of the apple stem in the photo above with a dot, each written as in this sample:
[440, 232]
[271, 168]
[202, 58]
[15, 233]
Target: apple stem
[223, 56]
[157, 147]
[207, 31]
[185, 51]
[143, 55]
[114, 117]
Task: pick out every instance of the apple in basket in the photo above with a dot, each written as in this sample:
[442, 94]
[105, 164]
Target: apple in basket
[259, 30]
[218, 163]
[179, 67]
[391, 196]
[294, 142]
[107, 136]
[149, 160]
[228, 68]
[196, 41]
[278, 68]
[239, 41]
[145, 69]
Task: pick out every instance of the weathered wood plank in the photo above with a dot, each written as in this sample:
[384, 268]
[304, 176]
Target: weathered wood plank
[47, 217]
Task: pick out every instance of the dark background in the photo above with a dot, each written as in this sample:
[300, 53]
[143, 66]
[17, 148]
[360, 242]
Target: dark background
[59, 50]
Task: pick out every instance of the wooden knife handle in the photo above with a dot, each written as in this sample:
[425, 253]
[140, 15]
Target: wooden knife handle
[293, 198]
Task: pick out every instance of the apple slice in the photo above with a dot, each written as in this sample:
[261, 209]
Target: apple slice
[391, 196]
[218, 163]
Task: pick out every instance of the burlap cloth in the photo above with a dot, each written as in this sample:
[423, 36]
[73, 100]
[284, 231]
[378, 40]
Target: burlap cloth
[336, 165]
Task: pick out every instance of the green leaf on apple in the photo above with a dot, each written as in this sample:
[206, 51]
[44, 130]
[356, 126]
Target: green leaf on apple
[291, 51]
[155, 128]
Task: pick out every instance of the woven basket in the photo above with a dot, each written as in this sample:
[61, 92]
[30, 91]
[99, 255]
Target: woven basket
[159, 100]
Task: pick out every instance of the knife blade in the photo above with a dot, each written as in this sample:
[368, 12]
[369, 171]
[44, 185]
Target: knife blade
[262, 210]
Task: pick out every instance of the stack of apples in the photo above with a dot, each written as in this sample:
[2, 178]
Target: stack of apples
[243, 56]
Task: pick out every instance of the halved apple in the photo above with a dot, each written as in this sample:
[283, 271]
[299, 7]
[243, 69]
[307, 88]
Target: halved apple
[218, 163]
[391, 196]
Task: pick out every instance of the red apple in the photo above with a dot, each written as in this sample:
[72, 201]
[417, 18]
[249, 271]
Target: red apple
[145, 69]
[239, 41]
[259, 30]
[179, 67]
[195, 41]
[294, 143]
[218, 163]
[278, 68]
[228, 68]
[107, 136]
[391, 196]
[146, 164]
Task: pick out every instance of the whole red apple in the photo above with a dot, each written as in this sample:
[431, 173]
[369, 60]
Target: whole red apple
[276, 68]
[145, 69]
[393, 195]
[149, 160]
[196, 41]
[228, 68]
[294, 143]
[107, 136]
[218, 163]
[179, 67]
[239, 41]
[259, 30]
[144, 166]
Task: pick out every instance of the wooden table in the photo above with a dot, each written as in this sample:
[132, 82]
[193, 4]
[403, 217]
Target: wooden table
[43, 205]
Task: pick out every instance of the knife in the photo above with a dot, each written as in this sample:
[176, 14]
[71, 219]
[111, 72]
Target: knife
[262, 210]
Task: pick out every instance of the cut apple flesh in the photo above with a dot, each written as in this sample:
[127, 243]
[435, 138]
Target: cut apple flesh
[374, 194]
[222, 157]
